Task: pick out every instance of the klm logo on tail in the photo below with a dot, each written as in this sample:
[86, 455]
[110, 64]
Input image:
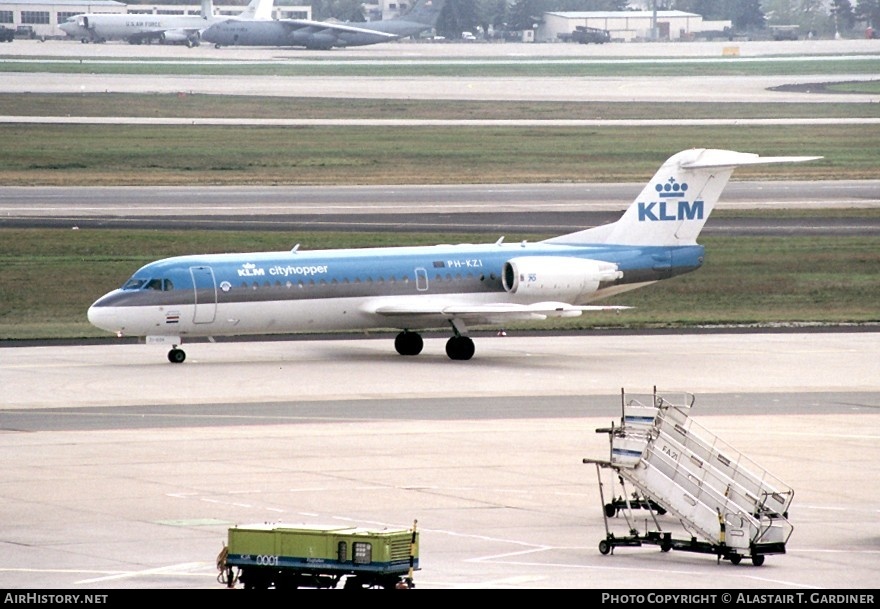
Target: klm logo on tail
[666, 210]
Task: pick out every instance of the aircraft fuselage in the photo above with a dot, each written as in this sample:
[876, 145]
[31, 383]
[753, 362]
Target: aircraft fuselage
[288, 292]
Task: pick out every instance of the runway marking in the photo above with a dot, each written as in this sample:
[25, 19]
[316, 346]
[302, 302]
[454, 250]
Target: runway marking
[732, 573]
[371, 122]
[167, 570]
[438, 61]
[195, 522]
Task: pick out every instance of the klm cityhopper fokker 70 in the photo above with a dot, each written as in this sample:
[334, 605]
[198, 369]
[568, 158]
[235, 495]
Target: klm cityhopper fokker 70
[416, 288]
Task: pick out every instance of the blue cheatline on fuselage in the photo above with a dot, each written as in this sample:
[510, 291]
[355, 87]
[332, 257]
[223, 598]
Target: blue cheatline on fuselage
[403, 271]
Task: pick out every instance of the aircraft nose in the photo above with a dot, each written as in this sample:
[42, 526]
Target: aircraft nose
[103, 317]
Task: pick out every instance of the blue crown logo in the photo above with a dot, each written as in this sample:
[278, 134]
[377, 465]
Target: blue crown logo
[671, 188]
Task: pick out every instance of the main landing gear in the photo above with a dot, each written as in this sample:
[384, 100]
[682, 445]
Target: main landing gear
[459, 347]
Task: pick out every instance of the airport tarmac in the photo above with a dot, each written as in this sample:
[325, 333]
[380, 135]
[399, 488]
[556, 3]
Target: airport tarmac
[124, 471]
[686, 86]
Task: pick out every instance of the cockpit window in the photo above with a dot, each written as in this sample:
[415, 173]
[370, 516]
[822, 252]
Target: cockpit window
[163, 285]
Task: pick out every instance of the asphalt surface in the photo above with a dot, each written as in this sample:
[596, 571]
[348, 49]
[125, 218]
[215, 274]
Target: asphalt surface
[688, 86]
[122, 471]
[525, 208]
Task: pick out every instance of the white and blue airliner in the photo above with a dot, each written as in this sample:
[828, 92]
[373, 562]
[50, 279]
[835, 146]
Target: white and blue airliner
[426, 287]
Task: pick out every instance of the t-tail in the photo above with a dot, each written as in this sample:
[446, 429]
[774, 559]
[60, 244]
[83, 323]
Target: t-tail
[673, 207]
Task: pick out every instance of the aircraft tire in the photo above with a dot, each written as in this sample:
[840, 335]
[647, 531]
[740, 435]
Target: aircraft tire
[409, 343]
[176, 356]
[460, 348]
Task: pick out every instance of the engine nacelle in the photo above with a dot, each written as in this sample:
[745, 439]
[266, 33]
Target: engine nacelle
[321, 41]
[556, 277]
[174, 36]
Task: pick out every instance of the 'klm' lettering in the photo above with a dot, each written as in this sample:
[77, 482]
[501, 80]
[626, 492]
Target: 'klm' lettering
[662, 211]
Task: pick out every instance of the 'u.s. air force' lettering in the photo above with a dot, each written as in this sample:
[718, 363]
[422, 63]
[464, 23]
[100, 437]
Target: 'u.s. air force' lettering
[660, 211]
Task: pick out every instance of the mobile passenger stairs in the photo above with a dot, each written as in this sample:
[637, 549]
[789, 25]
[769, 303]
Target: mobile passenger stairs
[727, 504]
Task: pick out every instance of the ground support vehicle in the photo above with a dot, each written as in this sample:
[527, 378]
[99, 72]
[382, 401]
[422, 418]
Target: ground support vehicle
[586, 35]
[261, 556]
[6, 34]
[725, 504]
[25, 31]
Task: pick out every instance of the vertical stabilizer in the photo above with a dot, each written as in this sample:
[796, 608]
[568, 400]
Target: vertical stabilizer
[424, 11]
[258, 10]
[207, 11]
[673, 207]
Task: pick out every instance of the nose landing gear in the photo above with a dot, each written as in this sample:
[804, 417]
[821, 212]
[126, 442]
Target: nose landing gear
[176, 356]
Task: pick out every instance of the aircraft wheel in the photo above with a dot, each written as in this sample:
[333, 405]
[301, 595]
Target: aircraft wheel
[758, 560]
[217, 46]
[408, 343]
[176, 356]
[460, 348]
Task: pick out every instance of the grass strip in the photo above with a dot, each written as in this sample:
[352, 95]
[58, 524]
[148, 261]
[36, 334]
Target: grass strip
[49, 277]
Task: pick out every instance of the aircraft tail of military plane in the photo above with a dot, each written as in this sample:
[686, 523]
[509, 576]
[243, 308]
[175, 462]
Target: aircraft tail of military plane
[417, 288]
[323, 35]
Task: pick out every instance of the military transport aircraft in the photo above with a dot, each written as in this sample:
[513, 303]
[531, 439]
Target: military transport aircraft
[416, 288]
[323, 35]
[169, 29]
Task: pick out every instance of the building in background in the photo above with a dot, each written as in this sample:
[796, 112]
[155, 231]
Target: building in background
[628, 26]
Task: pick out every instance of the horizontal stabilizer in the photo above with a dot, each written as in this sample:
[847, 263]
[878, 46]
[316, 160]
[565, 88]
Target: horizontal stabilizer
[728, 158]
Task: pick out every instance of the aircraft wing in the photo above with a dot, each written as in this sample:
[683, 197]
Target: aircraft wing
[490, 312]
[325, 26]
[181, 34]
